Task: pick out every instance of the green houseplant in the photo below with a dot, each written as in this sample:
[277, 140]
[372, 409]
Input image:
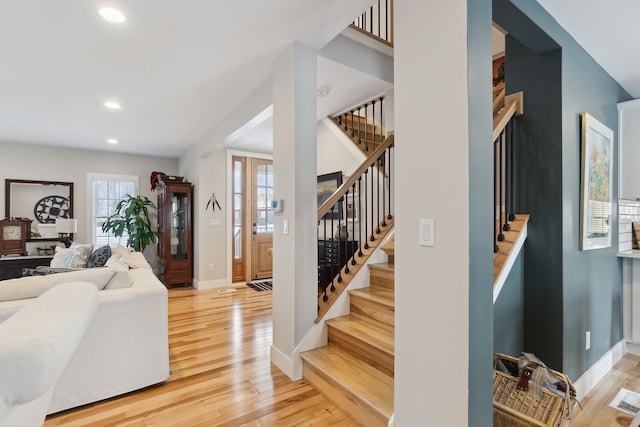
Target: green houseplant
[132, 215]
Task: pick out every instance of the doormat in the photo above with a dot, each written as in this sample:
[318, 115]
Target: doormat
[264, 285]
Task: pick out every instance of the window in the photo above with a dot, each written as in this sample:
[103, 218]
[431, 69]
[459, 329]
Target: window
[106, 192]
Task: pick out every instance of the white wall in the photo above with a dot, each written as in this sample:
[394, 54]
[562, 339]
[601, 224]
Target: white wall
[37, 162]
[431, 182]
[203, 164]
[333, 152]
[294, 164]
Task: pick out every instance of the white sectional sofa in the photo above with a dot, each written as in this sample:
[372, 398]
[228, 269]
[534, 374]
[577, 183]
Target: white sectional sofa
[36, 344]
[125, 347]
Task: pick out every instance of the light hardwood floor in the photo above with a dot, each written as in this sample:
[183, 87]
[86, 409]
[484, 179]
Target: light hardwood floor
[597, 413]
[220, 373]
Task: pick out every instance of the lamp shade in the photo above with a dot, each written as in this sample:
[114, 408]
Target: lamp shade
[66, 225]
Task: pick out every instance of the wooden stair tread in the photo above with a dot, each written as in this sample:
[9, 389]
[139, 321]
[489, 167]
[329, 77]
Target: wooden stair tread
[385, 266]
[375, 334]
[359, 378]
[381, 296]
[505, 247]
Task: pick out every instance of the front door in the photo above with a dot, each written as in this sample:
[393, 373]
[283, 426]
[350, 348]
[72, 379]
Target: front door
[261, 218]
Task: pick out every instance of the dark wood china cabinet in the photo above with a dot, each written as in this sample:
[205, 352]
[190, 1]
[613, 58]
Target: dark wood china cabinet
[175, 242]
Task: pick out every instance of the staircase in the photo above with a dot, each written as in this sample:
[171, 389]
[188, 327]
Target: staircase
[355, 369]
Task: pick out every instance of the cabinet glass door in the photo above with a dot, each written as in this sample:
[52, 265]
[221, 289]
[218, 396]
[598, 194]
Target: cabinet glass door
[178, 236]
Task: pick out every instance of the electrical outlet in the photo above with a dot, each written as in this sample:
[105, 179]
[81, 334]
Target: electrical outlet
[587, 345]
[210, 267]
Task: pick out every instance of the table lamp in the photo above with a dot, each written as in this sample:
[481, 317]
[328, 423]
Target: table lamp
[65, 227]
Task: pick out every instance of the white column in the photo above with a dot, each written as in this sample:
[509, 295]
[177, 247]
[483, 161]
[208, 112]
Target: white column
[294, 160]
[431, 182]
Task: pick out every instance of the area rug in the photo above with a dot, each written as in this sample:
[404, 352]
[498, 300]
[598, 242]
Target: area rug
[264, 285]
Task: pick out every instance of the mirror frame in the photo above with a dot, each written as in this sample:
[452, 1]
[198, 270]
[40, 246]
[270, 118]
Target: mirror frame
[7, 200]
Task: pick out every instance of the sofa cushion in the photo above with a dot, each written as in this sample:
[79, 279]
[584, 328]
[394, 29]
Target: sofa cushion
[136, 260]
[78, 255]
[115, 262]
[99, 257]
[31, 287]
[121, 279]
[127, 260]
[59, 256]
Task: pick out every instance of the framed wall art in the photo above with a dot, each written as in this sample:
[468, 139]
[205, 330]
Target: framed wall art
[327, 185]
[596, 184]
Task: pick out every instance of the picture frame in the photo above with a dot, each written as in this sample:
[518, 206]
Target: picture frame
[352, 210]
[596, 183]
[327, 185]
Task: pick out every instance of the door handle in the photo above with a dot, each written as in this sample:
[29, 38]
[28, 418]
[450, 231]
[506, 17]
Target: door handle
[254, 224]
[254, 233]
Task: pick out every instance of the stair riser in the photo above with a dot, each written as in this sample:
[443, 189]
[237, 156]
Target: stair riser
[368, 137]
[342, 398]
[362, 350]
[381, 278]
[373, 310]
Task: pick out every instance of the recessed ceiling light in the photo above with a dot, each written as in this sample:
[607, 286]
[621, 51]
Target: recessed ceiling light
[111, 15]
[112, 105]
[112, 141]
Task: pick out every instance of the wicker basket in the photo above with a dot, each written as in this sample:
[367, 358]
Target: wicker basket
[513, 407]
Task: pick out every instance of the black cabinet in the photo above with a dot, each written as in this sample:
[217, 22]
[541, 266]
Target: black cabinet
[11, 267]
[332, 256]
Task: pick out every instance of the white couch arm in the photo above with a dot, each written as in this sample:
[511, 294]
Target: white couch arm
[36, 345]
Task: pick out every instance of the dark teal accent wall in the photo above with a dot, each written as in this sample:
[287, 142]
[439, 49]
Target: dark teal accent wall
[578, 290]
[508, 312]
[539, 189]
[480, 213]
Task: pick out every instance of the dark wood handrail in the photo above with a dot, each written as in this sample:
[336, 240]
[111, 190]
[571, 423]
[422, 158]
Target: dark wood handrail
[513, 106]
[342, 190]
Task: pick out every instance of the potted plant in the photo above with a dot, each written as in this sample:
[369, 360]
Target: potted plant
[132, 215]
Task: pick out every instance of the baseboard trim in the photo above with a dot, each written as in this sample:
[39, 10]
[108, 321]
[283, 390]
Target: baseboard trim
[284, 363]
[595, 373]
[633, 348]
[210, 284]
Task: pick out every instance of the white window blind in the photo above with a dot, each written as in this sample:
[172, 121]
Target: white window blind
[107, 191]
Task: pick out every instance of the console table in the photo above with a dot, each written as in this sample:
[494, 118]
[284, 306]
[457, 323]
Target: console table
[11, 266]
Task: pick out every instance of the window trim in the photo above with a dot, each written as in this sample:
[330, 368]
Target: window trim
[91, 177]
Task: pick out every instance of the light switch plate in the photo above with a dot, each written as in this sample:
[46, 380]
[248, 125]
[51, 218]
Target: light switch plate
[427, 232]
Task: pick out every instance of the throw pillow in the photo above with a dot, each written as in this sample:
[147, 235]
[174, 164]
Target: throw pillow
[78, 255]
[135, 260]
[99, 257]
[59, 256]
[121, 250]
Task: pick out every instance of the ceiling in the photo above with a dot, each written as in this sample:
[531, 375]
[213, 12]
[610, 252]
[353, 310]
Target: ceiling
[608, 31]
[178, 70]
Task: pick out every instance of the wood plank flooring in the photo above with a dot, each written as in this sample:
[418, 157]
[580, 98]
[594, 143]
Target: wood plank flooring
[597, 413]
[221, 374]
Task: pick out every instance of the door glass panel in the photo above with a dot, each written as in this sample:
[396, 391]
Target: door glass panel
[264, 197]
[179, 242]
[261, 175]
[238, 187]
